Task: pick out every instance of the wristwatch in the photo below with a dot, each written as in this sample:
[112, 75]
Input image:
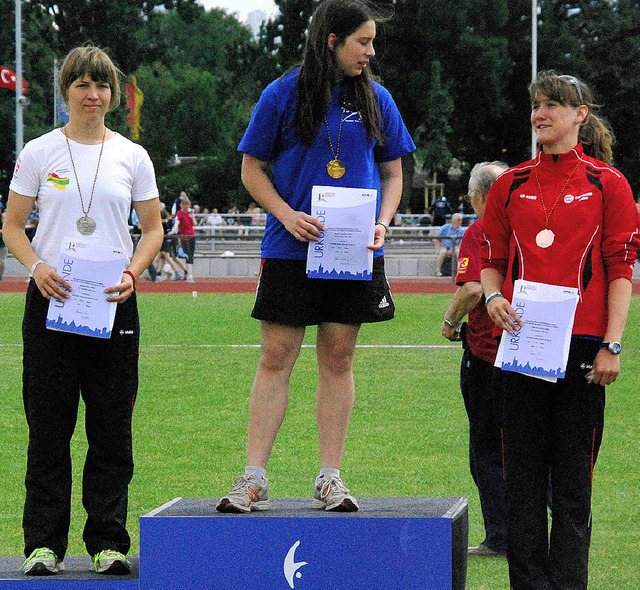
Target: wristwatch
[612, 347]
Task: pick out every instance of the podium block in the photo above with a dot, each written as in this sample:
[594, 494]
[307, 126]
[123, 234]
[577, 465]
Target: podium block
[389, 544]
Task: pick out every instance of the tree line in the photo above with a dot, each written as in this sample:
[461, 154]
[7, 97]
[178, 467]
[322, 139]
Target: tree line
[458, 69]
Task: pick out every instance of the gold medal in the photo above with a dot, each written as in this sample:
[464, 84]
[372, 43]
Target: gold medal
[336, 168]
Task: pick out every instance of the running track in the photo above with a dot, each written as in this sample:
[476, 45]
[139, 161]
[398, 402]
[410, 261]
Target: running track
[248, 285]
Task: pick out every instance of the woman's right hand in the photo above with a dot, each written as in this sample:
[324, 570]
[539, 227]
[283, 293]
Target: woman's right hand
[503, 315]
[50, 283]
[303, 227]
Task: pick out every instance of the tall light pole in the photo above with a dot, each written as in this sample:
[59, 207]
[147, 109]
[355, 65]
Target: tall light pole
[19, 97]
[534, 63]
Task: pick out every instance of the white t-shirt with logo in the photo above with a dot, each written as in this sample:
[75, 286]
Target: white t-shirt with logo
[44, 171]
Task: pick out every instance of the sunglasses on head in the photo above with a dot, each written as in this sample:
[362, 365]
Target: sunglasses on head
[574, 82]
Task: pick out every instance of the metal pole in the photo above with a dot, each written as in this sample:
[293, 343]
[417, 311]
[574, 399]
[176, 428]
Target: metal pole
[19, 123]
[534, 62]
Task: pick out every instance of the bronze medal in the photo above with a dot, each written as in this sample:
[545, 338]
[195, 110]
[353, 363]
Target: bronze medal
[544, 238]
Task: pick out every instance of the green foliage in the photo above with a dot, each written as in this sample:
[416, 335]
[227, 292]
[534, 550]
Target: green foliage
[409, 428]
[458, 70]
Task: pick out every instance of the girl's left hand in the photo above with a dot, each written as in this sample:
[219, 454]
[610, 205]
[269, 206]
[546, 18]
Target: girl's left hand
[606, 368]
[379, 235]
[123, 290]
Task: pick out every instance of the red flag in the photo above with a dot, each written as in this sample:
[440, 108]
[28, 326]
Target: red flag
[8, 80]
[135, 98]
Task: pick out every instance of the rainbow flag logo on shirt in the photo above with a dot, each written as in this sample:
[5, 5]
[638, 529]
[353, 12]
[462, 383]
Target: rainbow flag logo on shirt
[60, 182]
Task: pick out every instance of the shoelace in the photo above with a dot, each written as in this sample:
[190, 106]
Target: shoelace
[335, 483]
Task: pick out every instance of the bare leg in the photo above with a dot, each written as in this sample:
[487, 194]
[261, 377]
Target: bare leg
[270, 390]
[336, 389]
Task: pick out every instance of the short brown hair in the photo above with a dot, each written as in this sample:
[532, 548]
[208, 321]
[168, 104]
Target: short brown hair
[94, 62]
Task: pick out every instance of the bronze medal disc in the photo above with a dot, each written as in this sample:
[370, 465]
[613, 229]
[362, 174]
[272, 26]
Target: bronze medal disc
[544, 238]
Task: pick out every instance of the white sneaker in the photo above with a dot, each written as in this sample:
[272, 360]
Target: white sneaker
[331, 494]
[42, 562]
[111, 562]
[247, 495]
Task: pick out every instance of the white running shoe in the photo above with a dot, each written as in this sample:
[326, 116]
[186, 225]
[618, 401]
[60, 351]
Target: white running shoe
[247, 495]
[42, 562]
[330, 493]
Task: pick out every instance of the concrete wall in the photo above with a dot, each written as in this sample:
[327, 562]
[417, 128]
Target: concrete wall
[406, 265]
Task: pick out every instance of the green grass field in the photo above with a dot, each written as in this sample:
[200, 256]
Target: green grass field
[408, 435]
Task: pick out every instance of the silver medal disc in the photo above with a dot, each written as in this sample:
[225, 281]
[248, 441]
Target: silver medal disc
[86, 225]
[545, 238]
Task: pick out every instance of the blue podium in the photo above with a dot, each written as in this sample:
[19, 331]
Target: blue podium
[391, 543]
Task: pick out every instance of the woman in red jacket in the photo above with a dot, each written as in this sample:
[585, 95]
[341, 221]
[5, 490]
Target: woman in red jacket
[565, 218]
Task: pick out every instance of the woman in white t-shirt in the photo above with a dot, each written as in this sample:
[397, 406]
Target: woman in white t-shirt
[85, 179]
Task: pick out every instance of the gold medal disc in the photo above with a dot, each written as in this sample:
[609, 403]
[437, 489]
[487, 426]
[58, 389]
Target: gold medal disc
[336, 169]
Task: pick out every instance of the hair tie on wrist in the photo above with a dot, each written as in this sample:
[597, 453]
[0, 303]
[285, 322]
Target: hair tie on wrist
[133, 278]
[34, 266]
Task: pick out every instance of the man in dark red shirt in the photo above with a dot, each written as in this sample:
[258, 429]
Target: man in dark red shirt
[476, 370]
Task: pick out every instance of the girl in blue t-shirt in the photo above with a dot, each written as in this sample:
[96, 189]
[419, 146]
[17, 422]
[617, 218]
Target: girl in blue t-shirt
[323, 123]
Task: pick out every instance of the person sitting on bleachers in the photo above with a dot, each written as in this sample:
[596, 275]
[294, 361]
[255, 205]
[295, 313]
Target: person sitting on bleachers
[445, 244]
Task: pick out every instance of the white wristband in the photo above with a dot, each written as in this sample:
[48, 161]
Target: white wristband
[34, 266]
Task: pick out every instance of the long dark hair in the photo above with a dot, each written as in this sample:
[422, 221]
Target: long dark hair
[594, 133]
[319, 70]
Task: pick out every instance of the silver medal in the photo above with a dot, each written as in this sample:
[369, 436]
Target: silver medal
[86, 225]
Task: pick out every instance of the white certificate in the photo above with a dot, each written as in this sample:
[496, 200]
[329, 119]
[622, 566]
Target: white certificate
[348, 215]
[541, 347]
[90, 268]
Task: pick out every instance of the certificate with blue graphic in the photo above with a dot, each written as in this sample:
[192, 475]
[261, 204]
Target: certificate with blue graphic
[341, 252]
[90, 268]
[541, 347]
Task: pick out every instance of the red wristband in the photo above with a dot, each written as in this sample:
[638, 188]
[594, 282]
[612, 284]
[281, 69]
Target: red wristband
[133, 278]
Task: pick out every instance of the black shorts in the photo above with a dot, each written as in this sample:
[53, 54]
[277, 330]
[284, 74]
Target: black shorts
[287, 296]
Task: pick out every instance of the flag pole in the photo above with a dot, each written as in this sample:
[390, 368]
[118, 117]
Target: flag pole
[19, 98]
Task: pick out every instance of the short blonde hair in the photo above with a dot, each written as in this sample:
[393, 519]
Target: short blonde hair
[94, 62]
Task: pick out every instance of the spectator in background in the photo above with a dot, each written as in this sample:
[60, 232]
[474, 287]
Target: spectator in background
[476, 370]
[176, 204]
[439, 210]
[32, 221]
[425, 219]
[184, 227]
[3, 248]
[167, 264]
[445, 242]
[407, 219]
[214, 218]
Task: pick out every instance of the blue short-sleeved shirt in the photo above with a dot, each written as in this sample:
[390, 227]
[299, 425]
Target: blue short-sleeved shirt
[298, 166]
[447, 230]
